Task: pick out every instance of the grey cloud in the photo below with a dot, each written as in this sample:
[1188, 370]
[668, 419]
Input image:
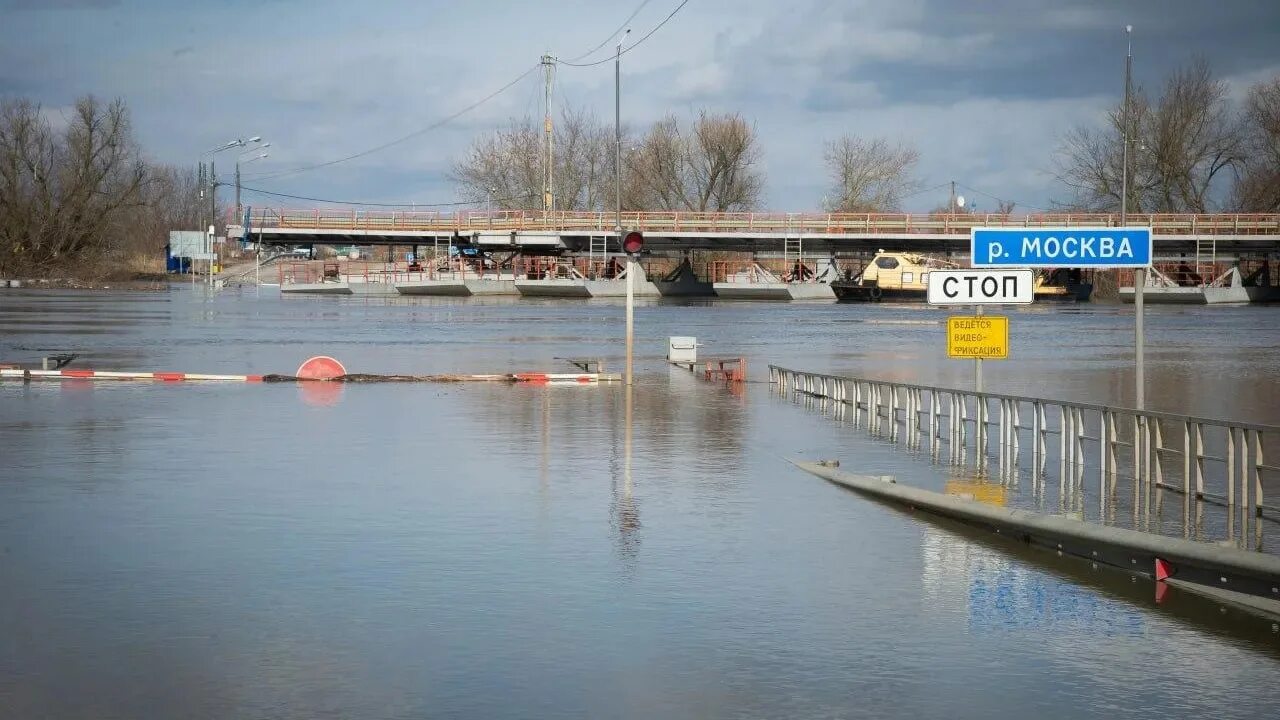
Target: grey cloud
[985, 90]
[32, 5]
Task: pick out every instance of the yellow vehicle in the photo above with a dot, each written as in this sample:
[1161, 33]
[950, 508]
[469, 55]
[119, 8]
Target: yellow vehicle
[904, 277]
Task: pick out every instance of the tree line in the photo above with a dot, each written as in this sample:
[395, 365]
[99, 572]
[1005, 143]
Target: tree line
[1191, 150]
[80, 190]
[83, 194]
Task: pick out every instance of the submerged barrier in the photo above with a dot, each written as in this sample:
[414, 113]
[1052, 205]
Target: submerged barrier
[320, 368]
[1245, 578]
[23, 374]
[527, 378]
[1205, 461]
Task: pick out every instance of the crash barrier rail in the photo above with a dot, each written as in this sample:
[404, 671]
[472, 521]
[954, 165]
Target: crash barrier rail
[1217, 224]
[1167, 451]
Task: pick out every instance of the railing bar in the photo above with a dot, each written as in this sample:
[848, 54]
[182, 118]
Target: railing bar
[1216, 422]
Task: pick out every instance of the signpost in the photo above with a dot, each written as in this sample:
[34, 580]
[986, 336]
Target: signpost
[1101, 248]
[979, 337]
[1082, 247]
[979, 287]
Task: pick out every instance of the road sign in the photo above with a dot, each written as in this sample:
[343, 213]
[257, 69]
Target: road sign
[978, 337]
[1076, 247]
[981, 287]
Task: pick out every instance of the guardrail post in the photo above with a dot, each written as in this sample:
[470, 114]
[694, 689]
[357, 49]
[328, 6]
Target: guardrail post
[1017, 425]
[1103, 458]
[1231, 466]
[1137, 450]
[1199, 461]
[1157, 450]
[1063, 423]
[1186, 458]
[981, 439]
[1257, 474]
[1244, 483]
[933, 420]
[1004, 434]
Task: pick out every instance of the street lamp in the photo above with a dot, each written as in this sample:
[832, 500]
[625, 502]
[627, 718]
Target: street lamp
[617, 188]
[241, 161]
[1140, 274]
[211, 178]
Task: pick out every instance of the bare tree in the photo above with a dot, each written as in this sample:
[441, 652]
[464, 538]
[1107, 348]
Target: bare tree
[62, 197]
[1257, 188]
[868, 175]
[1181, 148]
[507, 167]
[710, 167]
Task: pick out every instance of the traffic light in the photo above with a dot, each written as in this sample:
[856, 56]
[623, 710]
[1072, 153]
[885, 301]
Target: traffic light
[633, 242]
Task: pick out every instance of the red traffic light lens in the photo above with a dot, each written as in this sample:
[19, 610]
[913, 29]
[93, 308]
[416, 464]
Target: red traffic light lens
[633, 242]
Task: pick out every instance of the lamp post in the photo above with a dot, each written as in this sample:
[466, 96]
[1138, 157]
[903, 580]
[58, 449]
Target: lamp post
[241, 161]
[211, 179]
[1140, 274]
[617, 197]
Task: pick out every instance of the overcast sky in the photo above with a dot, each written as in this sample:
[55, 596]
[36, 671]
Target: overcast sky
[983, 89]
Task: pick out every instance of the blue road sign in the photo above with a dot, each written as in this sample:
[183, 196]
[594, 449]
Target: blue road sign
[1077, 247]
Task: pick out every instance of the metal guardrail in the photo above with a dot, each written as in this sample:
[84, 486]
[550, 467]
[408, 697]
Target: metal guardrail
[1099, 436]
[748, 222]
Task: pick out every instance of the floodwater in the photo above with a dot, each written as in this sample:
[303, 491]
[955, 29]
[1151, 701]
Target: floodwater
[477, 550]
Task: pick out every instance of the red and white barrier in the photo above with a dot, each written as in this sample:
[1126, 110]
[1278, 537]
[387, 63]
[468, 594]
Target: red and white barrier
[19, 374]
[557, 378]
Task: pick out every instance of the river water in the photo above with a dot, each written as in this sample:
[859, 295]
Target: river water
[476, 550]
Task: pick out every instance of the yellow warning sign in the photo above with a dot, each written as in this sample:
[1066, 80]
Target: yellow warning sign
[978, 336]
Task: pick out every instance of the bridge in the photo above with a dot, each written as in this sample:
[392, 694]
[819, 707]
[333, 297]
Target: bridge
[570, 231]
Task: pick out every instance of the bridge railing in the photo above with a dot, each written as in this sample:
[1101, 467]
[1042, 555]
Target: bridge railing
[745, 222]
[1206, 461]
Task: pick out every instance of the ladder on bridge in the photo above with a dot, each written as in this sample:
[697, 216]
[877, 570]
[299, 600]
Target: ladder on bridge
[597, 255]
[1206, 252]
[792, 256]
[435, 256]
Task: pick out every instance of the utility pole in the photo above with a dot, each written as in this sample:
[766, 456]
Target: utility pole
[213, 214]
[617, 138]
[617, 189]
[238, 210]
[200, 182]
[548, 194]
[951, 204]
[1140, 274]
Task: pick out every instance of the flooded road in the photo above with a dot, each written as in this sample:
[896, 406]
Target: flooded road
[411, 551]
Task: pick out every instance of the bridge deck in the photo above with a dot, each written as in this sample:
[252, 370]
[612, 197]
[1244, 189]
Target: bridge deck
[746, 231]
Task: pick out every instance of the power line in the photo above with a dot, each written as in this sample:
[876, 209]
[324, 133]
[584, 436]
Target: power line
[378, 204]
[410, 136]
[631, 46]
[612, 35]
[999, 200]
[925, 190]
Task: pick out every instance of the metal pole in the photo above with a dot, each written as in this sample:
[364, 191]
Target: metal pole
[238, 210]
[1140, 274]
[617, 140]
[617, 177]
[548, 195]
[631, 263]
[977, 366]
[213, 217]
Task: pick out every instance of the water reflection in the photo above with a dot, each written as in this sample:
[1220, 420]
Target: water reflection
[625, 511]
[504, 551]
